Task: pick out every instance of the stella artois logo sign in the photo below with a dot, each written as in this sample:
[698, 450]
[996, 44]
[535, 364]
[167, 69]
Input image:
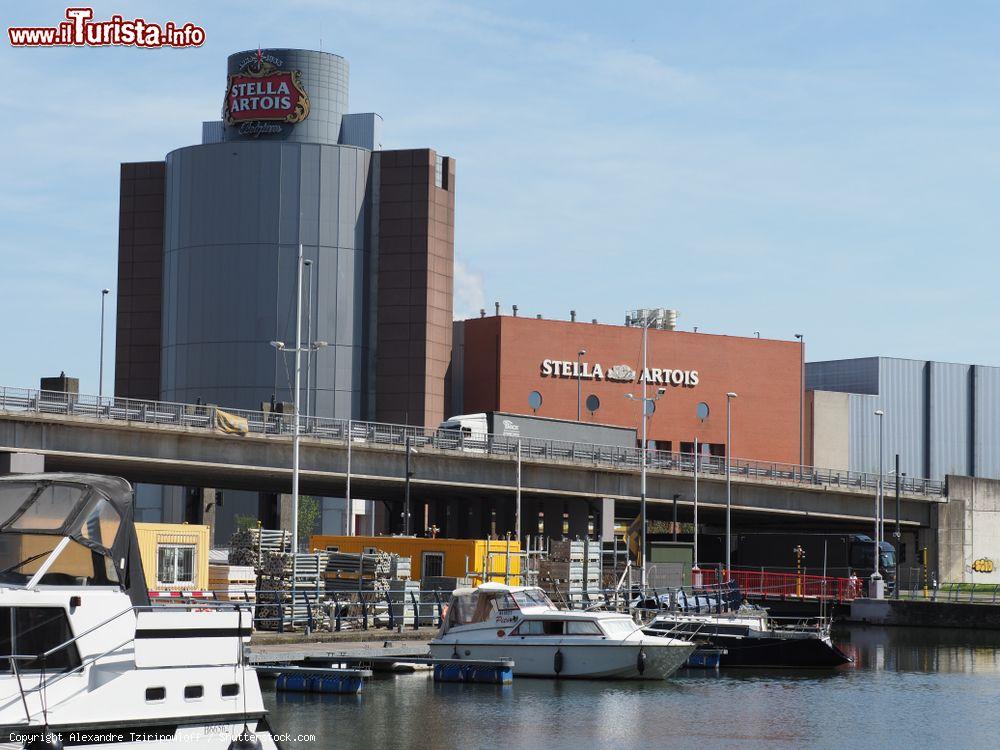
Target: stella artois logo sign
[263, 92]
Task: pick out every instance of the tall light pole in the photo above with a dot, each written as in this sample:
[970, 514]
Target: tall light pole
[876, 591]
[100, 371]
[309, 326]
[729, 482]
[647, 407]
[579, 384]
[280, 346]
[406, 501]
[802, 398]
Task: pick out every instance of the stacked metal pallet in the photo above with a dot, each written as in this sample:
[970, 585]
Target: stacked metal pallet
[233, 583]
[249, 546]
[296, 583]
[367, 572]
[572, 573]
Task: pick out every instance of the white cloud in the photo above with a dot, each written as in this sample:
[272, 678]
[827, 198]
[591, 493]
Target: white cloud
[470, 291]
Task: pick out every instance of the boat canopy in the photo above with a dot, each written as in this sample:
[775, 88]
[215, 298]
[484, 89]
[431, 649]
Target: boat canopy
[93, 511]
[473, 605]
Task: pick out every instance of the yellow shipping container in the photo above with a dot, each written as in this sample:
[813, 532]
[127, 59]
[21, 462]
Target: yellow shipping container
[486, 559]
[174, 555]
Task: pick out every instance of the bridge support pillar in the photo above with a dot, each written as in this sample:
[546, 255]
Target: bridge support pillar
[553, 518]
[607, 528]
[285, 511]
[579, 518]
[474, 522]
[17, 462]
[210, 499]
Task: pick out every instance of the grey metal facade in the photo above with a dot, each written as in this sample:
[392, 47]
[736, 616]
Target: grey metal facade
[236, 208]
[235, 214]
[942, 418]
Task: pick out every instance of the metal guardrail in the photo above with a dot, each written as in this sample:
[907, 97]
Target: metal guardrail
[206, 417]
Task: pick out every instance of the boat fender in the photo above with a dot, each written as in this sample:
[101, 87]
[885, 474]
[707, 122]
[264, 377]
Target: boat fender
[246, 740]
[557, 661]
[46, 740]
[640, 662]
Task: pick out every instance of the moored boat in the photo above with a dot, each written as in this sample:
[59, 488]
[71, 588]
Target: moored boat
[497, 621]
[748, 637]
[86, 661]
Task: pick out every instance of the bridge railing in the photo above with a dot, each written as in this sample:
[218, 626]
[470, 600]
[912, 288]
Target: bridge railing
[789, 585]
[208, 417]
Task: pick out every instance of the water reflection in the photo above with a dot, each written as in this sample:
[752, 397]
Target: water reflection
[907, 688]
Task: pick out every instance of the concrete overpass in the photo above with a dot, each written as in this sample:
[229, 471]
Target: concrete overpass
[465, 488]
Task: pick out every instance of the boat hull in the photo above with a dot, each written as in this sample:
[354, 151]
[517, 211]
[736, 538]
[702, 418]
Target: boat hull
[608, 661]
[781, 653]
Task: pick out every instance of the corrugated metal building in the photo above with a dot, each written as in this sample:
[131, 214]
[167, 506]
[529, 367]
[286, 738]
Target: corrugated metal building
[942, 418]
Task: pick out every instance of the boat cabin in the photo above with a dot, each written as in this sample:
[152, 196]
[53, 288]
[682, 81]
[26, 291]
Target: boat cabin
[526, 611]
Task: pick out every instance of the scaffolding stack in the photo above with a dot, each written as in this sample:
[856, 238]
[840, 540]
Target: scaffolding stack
[296, 583]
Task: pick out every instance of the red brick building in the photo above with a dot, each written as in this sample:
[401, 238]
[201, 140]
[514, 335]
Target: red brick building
[504, 359]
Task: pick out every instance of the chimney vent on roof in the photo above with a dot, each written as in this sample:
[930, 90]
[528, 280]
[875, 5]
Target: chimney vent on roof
[572, 316]
[514, 308]
[497, 306]
[482, 312]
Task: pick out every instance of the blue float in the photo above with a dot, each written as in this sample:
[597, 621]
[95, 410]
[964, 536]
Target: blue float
[492, 675]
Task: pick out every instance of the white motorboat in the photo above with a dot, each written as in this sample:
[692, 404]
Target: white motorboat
[84, 659]
[496, 621]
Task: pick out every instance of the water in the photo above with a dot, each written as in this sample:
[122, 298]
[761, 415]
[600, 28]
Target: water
[909, 688]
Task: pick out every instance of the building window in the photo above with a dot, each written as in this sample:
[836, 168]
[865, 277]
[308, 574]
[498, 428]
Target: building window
[175, 564]
[439, 172]
[432, 565]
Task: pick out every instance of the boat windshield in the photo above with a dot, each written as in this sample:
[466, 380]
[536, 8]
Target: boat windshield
[34, 519]
[532, 598]
[620, 627]
[23, 555]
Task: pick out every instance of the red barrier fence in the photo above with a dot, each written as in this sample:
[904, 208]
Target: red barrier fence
[788, 585]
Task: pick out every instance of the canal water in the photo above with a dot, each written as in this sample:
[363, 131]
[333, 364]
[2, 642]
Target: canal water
[908, 688]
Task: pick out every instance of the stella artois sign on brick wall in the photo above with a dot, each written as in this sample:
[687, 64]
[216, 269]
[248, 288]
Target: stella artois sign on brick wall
[263, 92]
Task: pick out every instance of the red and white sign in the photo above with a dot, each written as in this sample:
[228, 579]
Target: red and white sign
[266, 95]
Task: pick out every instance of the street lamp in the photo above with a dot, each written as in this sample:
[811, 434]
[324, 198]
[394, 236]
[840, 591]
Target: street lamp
[309, 325]
[299, 349]
[406, 509]
[100, 371]
[647, 408]
[877, 584]
[729, 482]
[579, 384]
[802, 398]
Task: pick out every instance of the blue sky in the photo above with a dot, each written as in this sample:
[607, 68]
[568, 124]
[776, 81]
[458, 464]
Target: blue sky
[776, 166]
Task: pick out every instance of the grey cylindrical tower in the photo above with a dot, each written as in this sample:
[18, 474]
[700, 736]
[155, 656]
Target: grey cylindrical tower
[324, 79]
[235, 214]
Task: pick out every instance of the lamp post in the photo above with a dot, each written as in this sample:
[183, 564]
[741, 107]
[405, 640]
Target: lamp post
[309, 325]
[406, 501]
[729, 482]
[802, 398]
[696, 571]
[100, 371]
[280, 346]
[579, 384]
[877, 590]
[647, 406]
[898, 535]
